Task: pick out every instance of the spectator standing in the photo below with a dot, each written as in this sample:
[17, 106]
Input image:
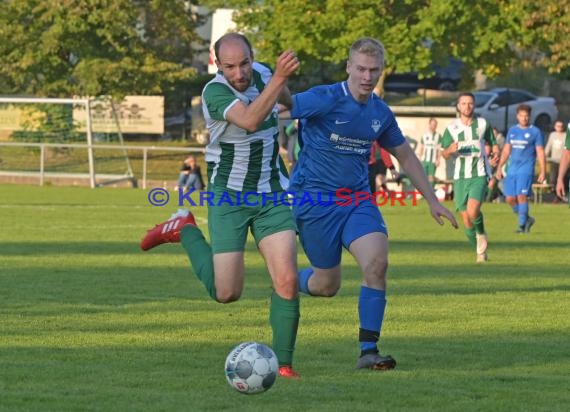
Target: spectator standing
[553, 152]
[564, 163]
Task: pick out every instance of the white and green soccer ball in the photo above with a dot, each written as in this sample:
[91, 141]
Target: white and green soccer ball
[251, 368]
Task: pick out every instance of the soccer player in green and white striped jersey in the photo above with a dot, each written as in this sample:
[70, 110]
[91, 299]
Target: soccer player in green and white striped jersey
[238, 158]
[429, 150]
[470, 141]
[243, 159]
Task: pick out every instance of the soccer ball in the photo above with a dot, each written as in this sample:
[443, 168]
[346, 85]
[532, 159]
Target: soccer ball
[251, 368]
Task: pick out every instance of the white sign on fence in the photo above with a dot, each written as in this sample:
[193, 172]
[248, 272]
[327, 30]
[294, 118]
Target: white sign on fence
[135, 114]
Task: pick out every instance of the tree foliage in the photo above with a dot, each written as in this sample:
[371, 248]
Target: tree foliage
[489, 35]
[544, 33]
[95, 47]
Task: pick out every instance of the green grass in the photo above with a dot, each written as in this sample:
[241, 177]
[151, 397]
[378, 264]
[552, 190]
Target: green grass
[88, 322]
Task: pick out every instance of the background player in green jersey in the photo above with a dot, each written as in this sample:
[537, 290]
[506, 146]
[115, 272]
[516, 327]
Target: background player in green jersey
[240, 109]
[470, 141]
[429, 151]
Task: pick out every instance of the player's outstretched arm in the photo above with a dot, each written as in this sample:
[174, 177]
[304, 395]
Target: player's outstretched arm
[438, 211]
[414, 170]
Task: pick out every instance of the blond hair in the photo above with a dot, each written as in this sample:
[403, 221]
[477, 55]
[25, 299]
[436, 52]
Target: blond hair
[368, 46]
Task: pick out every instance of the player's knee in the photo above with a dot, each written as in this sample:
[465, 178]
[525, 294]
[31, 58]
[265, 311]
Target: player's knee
[286, 285]
[329, 291]
[377, 268]
[285, 280]
[227, 296]
[326, 287]
[289, 293]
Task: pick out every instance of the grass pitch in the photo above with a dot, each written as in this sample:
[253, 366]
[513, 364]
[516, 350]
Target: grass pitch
[88, 322]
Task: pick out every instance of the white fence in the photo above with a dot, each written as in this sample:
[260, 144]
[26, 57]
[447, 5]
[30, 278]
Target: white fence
[95, 180]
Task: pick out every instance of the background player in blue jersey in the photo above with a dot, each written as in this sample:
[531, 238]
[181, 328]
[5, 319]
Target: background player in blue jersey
[523, 145]
[339, 124]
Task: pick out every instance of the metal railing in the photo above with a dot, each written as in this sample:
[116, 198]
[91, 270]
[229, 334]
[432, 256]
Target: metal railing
[92, 175]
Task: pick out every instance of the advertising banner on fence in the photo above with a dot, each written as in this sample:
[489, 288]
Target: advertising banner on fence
[135, 114]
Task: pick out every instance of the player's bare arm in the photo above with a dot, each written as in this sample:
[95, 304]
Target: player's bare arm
[450, 150]
[494, 156]
[492, 153]
[250, 116]
[506, 153]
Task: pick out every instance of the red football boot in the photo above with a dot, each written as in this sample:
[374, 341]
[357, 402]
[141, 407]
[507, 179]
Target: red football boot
[169, 231]
[287, 371]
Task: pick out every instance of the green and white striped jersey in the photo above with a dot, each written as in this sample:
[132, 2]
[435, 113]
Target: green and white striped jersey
[238, 159]
[470, 159]
[430, 142]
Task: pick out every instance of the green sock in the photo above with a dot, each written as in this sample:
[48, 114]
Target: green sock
[200, 254]
[478, 224]
[284, 319]
[470, 232]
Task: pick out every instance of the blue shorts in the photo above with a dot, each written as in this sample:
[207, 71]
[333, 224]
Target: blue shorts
[325, 229]
[518, 185]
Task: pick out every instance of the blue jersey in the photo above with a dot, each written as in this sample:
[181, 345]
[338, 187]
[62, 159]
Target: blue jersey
[523, 149]
[337, 133]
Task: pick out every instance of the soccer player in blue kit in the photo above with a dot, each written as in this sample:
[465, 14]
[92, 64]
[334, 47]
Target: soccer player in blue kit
[339, 122]
[523, 145]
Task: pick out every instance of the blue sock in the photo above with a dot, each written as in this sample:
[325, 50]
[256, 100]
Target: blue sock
[516, 209]
[371, 306]
[304, 276]
[523, 214]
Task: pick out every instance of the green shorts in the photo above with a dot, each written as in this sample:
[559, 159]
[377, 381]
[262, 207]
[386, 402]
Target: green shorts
[229, 218]
[465, 189]
[429, 168]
